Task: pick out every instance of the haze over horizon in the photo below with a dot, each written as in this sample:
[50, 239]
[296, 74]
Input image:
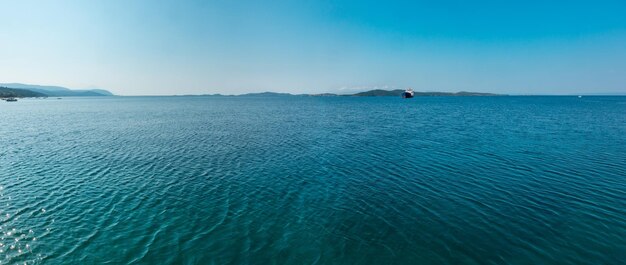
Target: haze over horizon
[233, 47]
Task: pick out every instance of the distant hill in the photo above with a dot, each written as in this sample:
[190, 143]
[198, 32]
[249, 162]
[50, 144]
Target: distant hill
[266, 94]
[370, 93]
[454, 94]
[379, 93]
[57, 91]
[6, 92]
[398, 92]
[321, 95]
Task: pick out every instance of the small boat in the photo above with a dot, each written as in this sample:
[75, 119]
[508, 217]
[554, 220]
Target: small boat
[408, 93]
[11, 99]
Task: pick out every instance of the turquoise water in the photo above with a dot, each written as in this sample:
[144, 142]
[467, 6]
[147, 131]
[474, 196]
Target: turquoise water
[310, 180]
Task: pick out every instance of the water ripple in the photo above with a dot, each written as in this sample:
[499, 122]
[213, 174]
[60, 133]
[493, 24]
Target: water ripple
[306, 180]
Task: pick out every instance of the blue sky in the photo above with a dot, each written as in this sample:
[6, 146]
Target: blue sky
[156, 47]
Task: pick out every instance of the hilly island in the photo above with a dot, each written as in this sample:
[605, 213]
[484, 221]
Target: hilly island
[18, 90]
[369, 93]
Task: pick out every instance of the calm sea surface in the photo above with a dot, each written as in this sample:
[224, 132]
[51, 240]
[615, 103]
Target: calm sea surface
[312, 180]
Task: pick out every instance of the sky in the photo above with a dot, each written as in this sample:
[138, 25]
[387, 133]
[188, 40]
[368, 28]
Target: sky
[154, 47]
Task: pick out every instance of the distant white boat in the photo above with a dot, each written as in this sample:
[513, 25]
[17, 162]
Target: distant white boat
[408, 93]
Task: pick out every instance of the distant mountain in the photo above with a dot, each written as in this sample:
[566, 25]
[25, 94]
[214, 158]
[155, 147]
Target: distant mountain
[379, 93]
[370, 93]
[100, 91]
[398, 92]
[57, 91]
[266, 94]
[454, 94]
[6, 92]
[321, 95]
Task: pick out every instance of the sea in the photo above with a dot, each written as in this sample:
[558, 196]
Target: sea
[313, 180]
